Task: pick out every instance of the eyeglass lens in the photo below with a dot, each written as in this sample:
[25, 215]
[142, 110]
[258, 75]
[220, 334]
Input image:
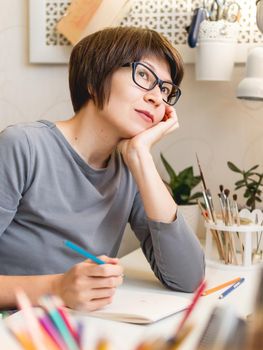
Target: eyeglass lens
[146, 79]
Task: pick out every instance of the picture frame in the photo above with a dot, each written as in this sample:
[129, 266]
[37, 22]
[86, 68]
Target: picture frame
[46, 47]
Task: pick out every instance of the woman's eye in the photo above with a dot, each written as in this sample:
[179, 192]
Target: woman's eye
[143, 75]
[166, 91]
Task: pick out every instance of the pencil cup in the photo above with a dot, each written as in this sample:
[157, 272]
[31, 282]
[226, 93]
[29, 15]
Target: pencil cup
[236, 245]
[216, 48]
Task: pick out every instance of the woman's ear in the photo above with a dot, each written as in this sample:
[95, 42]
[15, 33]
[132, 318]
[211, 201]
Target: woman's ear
[90, 91]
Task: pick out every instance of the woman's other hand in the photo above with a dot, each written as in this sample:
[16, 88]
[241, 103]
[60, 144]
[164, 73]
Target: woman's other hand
[88, 286]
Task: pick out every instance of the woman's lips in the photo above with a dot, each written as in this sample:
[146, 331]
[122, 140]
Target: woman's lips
[146, 115]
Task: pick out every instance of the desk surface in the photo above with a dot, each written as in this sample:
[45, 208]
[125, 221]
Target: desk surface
[139, 277]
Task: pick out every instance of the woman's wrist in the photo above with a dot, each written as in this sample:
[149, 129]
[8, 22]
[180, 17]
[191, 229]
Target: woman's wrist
[139, 157]
[55, 284]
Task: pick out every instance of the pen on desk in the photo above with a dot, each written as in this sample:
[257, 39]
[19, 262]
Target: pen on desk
[83, 252]
[233, 287]
[221, 286]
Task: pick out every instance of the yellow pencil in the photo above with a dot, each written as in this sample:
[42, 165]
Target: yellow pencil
[103, 344]
[221, 286]
[24, 340]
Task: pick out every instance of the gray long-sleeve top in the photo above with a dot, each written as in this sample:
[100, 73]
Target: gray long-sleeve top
[48, 193]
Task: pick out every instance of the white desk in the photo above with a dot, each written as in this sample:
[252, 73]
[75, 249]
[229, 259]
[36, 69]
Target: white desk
[138, 276]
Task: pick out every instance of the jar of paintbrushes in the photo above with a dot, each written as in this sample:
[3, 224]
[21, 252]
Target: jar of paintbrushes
[232, 237]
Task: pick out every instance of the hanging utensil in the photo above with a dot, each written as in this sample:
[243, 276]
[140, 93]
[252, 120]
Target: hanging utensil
[200, 14]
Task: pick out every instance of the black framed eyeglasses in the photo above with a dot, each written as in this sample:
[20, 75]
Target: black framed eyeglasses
[145, 78]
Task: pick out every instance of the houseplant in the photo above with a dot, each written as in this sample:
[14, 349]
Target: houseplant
[252, 182]
[181, 186]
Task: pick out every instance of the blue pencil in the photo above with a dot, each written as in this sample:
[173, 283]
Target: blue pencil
[84, 253]
[233, 287]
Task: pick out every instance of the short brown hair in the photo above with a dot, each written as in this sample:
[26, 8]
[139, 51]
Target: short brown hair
[96, 57]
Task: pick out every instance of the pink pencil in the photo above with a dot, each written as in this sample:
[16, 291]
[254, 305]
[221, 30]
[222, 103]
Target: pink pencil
[189, 310]
[49, 328]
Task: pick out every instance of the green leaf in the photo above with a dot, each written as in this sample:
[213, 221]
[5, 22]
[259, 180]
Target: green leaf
[253, 167]
[196, 195]
[233, 167]
[187, 173]
[240, 182]
[247, 193]
[169, 169]
[250, 202]
[238, 187]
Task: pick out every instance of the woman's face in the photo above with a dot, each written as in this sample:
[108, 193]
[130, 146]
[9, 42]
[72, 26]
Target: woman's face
[132, 109]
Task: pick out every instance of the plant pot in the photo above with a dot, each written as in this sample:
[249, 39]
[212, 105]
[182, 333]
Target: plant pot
[192, 216]
[215, 54]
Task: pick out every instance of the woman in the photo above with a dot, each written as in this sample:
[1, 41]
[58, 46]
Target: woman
[84, 178]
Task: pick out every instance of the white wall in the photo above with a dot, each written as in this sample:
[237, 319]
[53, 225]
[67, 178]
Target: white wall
[213, 122]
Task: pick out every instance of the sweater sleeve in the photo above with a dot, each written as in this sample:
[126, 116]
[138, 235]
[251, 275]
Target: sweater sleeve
[14, 169]
[172, 250]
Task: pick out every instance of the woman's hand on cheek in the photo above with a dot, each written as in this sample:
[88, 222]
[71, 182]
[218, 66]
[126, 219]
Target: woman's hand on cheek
[170, 117]
[131, 148]
[146, 139]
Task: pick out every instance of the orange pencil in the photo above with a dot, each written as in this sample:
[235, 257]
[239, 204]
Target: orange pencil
[25, 341]
[221, 286]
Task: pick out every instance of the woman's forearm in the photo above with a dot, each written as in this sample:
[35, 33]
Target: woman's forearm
[158, 202]
[34, 287]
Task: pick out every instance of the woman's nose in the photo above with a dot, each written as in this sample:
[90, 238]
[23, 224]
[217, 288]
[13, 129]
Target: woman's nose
[154, 96]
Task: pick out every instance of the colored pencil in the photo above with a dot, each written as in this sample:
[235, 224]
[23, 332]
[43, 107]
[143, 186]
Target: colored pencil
[59, 305]
[190, 309]
[31, 321]
[83, 252]
[220, 286]
[231, 289]
[103, 344]
[47, 303]
[50, 329]
[175, 342]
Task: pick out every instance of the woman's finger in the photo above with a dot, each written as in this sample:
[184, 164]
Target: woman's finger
[95, 304]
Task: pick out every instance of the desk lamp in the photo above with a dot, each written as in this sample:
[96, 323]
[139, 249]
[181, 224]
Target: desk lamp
[251, 87]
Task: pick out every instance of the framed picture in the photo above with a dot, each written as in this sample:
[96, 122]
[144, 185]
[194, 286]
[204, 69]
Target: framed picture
[46, 45]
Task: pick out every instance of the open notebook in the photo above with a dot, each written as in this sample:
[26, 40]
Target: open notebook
[141, 307]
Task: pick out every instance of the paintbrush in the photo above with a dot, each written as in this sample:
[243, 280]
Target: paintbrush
[228, 210]
[201, 173]
[222, 208]
[203, 212]
[236, 209]
[221, 189]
